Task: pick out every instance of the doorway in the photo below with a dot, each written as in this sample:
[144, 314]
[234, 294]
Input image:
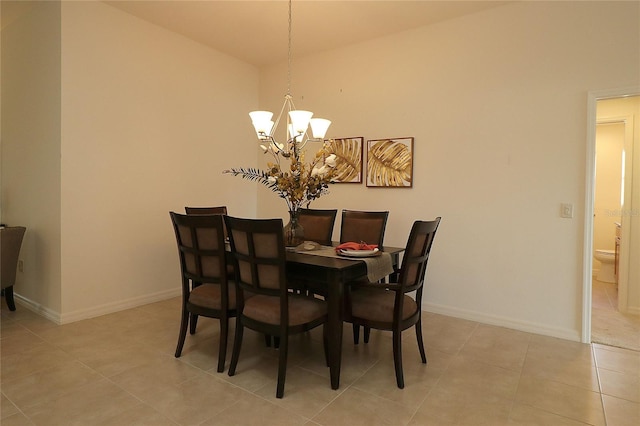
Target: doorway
[614, 114]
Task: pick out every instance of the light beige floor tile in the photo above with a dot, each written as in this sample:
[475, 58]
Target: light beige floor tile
[620, 412]
[36, 323]
[113, 357]
[446, 334]
[608, 325]
[419, 378]
[162, 371]
[17, 339]
[621, 385]
[250, 410]
[305, 393]
[497, 346]
[95, 403]
[7, 408]
[444, 408]
[17, 419]
[562, 361]
[526, 415]
[45, 385]
[617, 359]
[253, 372]
[466, 376]
[354, 407]
[193, 401]
[558, 398]
[41, 357]
[600, 295]
[78, 334]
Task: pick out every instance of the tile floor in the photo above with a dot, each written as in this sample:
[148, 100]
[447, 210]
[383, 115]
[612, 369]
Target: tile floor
[119, 369]
[608, 325]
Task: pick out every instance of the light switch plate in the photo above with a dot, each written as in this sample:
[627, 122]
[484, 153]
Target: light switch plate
[566, 210]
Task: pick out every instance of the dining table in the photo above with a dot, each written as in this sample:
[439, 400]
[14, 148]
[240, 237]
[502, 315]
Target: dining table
[333, 273]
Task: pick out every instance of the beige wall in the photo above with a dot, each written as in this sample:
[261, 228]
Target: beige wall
[496, 102]
[30, 167]
[146, 122]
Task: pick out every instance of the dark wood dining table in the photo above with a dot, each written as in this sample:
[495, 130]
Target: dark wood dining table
[332, 273]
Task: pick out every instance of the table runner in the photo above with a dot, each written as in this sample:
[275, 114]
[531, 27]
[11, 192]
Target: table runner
[378, 267]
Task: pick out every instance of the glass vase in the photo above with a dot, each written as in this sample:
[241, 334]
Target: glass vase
[293, 231]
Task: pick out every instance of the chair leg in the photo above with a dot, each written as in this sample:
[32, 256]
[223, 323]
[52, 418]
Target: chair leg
[194, 323]
[420, 341]
[367, 333]
[8, 296]
[222, 351]
[267, 340]
[184, 322]
[397, 358]
[282, 365]
[237, 343]
[325, 344]
[356, 333]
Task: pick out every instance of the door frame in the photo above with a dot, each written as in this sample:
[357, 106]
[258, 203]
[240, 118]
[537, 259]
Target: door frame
[587, 255]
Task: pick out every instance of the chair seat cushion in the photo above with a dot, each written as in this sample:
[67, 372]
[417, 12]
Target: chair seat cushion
[377, 305]
[209, 296]
[302, 309]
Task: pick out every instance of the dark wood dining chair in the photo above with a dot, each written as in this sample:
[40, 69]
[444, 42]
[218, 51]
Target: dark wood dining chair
[318, 225]
[10, 243]
[389, 306]
[259, 255]
[222, 210]
[367, 226]
[206, 210]
[206, 288]
[363, 226]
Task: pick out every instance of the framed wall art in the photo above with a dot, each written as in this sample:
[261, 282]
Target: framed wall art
[348, 153]
[390, 163]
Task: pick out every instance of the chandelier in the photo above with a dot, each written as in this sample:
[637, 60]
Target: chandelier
[298, 121]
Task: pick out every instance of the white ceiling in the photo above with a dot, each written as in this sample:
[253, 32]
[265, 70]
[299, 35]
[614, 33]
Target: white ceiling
[255, 31]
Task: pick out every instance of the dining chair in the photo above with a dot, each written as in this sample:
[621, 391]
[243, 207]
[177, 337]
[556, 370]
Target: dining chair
[206, 288]
[318, 224]
[206, 210]
[259, 256]
[222, 210]
[389, 306]
[11, 241]
[367, 226]
[363, 226]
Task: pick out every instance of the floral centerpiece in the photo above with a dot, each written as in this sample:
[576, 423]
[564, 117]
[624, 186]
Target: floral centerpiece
[298, 184]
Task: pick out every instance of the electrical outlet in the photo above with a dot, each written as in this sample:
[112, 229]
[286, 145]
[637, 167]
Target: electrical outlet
[566, 210]
[20, 266]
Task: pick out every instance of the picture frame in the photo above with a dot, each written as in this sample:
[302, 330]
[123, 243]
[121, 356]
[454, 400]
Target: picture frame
[390, 163]
[349, 152]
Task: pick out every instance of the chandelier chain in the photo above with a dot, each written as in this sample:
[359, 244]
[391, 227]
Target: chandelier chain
[289, 54]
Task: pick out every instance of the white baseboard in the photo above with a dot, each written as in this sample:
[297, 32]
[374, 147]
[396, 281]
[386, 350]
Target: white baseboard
[95, 311]
[529, 327]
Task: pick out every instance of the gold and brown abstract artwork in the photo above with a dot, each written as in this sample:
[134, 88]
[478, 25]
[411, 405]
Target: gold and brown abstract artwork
[390, 163]
[348, 153]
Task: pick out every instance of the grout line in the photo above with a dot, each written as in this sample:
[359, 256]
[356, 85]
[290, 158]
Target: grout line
[595, 361]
